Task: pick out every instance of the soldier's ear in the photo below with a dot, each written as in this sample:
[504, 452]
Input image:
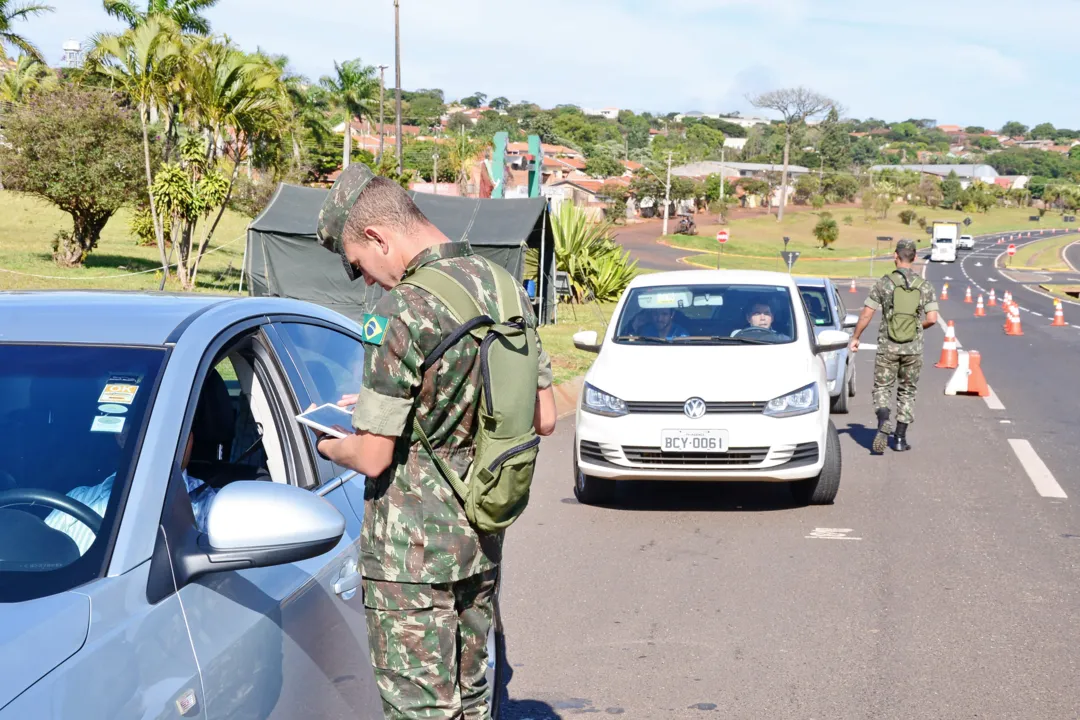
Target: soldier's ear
[379, 236]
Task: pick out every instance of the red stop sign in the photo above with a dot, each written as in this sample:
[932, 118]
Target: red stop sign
[1011, 250]
[721, 236]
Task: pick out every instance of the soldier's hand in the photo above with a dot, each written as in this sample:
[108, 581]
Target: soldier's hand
[347, 400]
[854, 345]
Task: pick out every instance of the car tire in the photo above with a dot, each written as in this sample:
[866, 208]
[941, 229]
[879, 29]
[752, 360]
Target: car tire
[839, 404]
[851, 383]
[821, 490]
[592, 490]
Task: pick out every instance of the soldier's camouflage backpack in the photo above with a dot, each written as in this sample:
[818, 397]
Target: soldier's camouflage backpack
[496, 489]
[903, 318]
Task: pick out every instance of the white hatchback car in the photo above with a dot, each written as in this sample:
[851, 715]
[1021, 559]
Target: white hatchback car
[708, 375]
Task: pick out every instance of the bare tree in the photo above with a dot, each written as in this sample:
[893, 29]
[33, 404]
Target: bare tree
[795, 105]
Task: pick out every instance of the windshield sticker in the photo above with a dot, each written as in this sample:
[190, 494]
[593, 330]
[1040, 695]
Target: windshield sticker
[118, 393]
[112, 409]
[107, 424]
[708, 300]
[670, 299]
[124, 379]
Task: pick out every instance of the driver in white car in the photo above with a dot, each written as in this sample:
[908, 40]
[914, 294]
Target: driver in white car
[758, 315]
[96, 497]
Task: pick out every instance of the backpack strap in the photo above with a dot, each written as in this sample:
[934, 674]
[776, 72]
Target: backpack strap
[458, 301]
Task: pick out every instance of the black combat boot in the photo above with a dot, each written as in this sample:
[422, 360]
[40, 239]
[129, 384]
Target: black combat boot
[901, 437]
[881, 440]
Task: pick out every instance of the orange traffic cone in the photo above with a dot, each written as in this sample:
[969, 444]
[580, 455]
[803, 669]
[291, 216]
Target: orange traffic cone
[968, 378]
[967, 295]
[948, 349]
[979, 311]
[993, 299]
[945, 291]
[1059, 316]
[853, 290]
[1014, 328]
[1000, 241]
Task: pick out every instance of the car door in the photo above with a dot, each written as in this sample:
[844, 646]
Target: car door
[286, 641]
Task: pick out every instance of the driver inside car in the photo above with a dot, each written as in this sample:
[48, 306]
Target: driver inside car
[96, 497]
[664, 324]
[759, 315]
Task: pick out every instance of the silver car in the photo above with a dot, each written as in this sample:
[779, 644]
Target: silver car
[112, 603]
[826, 309]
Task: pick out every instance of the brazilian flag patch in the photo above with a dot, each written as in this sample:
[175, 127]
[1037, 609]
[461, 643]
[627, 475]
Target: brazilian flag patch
[374, 327]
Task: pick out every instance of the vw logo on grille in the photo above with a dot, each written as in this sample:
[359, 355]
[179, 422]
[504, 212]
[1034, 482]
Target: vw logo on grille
[694, 408]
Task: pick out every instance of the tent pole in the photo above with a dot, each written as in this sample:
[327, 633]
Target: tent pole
[243, 266]
[540, 267]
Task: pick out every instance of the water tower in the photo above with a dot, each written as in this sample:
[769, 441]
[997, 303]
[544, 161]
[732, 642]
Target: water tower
[72, 56]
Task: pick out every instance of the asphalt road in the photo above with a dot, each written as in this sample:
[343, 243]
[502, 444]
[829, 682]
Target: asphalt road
[939, 585]
[1072, 256]
[1034, 376]
[640, 240]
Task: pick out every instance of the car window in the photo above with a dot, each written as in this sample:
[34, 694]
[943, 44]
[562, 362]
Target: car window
[71, 419]
[332, 362]
[841, 308]
[715, 313]
[817, 304]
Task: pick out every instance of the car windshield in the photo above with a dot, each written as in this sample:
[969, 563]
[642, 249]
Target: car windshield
[71, 418]
[721, 314]
[817, 304]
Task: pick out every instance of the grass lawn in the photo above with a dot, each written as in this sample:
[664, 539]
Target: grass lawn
[1065, 292]
[27, 228]
[567, 361]
[1044, 254]
[756, 242]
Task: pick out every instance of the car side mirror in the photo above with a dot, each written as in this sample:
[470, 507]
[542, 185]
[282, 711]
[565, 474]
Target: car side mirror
[831, 340]
[587, 340]
[850, 321]
[259, 524]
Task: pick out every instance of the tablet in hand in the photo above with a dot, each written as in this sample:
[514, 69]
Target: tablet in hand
[330, 419]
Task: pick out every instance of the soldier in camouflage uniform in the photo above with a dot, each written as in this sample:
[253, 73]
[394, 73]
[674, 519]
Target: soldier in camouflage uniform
[429, 576]
[896, 364]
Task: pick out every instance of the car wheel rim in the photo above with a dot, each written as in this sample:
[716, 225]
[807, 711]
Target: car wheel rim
[580, 481]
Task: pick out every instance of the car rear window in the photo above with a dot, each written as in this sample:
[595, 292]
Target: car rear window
[71, 418]
[676, 314]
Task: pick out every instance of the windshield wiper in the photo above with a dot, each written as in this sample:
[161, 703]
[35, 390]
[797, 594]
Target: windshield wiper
[724, 340]
[641, 338]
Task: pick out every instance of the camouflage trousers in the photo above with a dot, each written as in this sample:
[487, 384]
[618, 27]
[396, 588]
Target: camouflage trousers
[428, 646]
[902, 371]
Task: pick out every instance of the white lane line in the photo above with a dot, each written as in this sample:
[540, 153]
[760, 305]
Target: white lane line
[867, 346]
[1040, 475]
[993, 401]
[1034, 313]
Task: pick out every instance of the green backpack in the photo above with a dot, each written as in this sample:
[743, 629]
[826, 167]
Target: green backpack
[903, 320]
[496, 490]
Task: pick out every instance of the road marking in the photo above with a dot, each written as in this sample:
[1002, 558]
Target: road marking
[867, 346]
[992, 400]
[1006, 422]
[1040, 475]
[831, 534]
[1034, 313]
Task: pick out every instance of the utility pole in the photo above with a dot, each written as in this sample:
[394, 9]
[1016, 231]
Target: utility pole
[667, 192]
[397, 73]
[722, 191]
[382, 117]
[435, 173]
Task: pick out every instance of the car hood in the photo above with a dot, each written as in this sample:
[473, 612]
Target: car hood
[38, 635]
[739, 373]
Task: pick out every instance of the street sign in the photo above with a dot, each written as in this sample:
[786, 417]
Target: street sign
[790, 256]
[786, 241]
[1011, 250]
[1033, 218]
[1070, 218]
[929, 231]
[967, 221]
[721, 236]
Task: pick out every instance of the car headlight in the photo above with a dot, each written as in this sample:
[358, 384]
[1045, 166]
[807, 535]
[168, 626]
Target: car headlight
[600, 403]
[802, 401]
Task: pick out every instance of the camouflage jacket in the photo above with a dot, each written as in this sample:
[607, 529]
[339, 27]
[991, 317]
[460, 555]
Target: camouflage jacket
[880, 298]
[415, 528]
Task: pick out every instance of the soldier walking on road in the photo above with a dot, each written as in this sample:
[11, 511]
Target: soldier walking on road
[430, 561]
[908, 305]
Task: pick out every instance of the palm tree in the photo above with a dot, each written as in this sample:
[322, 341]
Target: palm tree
[185, 13]
[142, 63]
[9, 13]
[354, 89]
[22, 80]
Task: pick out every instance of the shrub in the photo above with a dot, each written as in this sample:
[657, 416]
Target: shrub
[848, 220]
[908, 216]
[826, 231]
[598, 267]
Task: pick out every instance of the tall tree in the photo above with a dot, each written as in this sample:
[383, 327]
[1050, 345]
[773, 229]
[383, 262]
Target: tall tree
[28, 76]
[499, 103]
[835, 143]
[142, 63]
[353, 88]
[474, 101]
[10, 13]
[1013, 129]
[187, 14]
[795, 105]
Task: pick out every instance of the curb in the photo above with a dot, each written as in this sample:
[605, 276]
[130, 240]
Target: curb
[566, 396]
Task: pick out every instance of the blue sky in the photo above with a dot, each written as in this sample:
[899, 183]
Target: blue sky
[957, 61]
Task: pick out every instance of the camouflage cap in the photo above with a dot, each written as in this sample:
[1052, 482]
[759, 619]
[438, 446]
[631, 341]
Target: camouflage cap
[342, 197]
[905, 244]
